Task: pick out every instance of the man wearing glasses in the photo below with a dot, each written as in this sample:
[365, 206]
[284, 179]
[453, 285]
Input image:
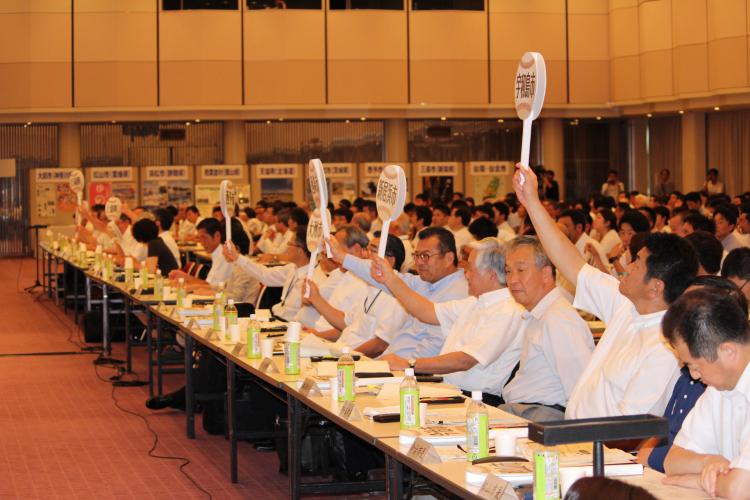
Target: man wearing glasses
[438, 280]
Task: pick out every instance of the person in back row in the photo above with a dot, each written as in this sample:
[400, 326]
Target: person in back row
[439, 280]
[483, 332]
[557, 344]
[631, 370]
[211, 236]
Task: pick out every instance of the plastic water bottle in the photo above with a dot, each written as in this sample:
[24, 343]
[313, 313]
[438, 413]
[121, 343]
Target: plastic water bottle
[253, 338]
[222, 293]
[158, 286]
[232, 333]
[144, 275]
[218, 313]
[129, 271]
[409, 400]
[291, 348]
[345, 374]
[477, 428]
[181, 292]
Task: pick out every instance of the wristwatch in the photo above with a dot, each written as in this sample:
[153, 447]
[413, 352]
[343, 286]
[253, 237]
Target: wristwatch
[412, 362]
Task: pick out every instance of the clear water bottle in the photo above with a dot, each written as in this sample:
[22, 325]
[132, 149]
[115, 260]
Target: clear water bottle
[345, 375]
[230, 313]
[409, 400]
[181, 292]
[159, 286]
[218, 313]
[477, 428]
[144, 275]
[253, 338]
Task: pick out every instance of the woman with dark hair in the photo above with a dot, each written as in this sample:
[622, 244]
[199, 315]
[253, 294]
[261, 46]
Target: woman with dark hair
[588, 488]
[158, 254]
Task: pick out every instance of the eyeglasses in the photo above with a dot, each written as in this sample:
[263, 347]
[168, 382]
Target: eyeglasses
[745, 283]
[425, 256]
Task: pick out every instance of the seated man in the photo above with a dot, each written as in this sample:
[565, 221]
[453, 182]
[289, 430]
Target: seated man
[290, 277]
[736, 268]
[631, 370]
[211, 236]
[278, 235]
[164, 220]
[439, 280]
[709, 331]
[379, 312]
[483, 332]
[557, 344]
[349, 291]
[189, 225]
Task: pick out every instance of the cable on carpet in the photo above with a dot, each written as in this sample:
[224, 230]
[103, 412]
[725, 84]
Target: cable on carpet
[186, 461]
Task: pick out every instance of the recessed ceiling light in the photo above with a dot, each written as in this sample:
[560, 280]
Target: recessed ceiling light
[681, 112]
[363, 118]
[716, 108]
[598, 117]
[268, 122]
[197, 120]
[649, 115]
[500, 120]
[442, 118]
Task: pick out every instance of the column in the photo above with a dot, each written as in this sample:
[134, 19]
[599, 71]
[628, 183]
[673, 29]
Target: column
[693, 172]
[553, 150]
[234, 143]
[396, 141]
[638, 166]
[70, 144]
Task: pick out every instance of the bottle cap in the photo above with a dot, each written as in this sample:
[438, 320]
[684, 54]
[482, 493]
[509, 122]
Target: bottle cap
[252, 316]
[218, 296]
[143, 263]
[476, 395]
[293, 331]
[231, 302]
[409, 372]
[181, 281]
[346, 350]
[158, 272]
[222, 285]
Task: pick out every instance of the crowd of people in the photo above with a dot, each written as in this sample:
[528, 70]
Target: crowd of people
[495, 296]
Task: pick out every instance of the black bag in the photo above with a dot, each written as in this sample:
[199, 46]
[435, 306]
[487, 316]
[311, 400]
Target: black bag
[92, 328]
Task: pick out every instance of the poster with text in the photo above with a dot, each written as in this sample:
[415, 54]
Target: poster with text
[66, 198]
[46, 203]
[160, 193]
[99, 193]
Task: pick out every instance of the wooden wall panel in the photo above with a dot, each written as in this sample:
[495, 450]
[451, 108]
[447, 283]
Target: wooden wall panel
[588, 42]
[655, 45]
[285, 57]
[624, 60]
[727, 44]
[115, 51]
[200, 58]
[689, 36]
[442, 70]
[360, 71]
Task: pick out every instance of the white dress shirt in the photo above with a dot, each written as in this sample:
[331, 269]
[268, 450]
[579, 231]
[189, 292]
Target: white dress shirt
[489, 328]
[131, 247]
[276, 245]
[732, 241]
[609, 241]
[719, 424]
[505, 232]
[463, 237]
[186, 229]
[557, 346]
[408, 254]
[348, 293]
[171, 244]
[220, 270]
[570, 288]
[632, 370]
[415, 339]
[379, 313]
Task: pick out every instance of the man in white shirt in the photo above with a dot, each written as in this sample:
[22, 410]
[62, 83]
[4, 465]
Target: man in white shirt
[350, 290]
[573, 224]
[420, 218]
[278, 236]
[613, 187]
[400, 229]
[504, 230]
[440, 215]
[483, 332]
[439, 279]
[709, 331]
[631, 371]
[189, 225]
[736, 268]
[725, 220]
[378, 312]
[557, 344]
[458, 224]
[164, 220]
[211, 236]
[290, 277]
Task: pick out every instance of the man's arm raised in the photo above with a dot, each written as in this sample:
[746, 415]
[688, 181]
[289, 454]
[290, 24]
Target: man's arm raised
[563, 254]
[415, 304]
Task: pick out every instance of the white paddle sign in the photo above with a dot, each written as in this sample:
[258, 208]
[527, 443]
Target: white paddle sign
[389, 199]
[113, 208]
[315, 234]
[227, 200]
[316, 176]
[76, 181]
[530, 87]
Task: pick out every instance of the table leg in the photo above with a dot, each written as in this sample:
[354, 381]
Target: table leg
[149, 348]
[189, 389]
[106, 344]
[158, 354]
[128, 340]
[294, 443]
[87, 304]
[598, 459]
[232, 420]
[394, 484]
[75, 293]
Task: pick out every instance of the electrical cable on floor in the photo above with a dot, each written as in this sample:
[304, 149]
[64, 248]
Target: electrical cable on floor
[186, 461]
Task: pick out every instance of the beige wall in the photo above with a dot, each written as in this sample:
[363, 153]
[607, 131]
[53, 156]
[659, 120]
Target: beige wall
[603, 57]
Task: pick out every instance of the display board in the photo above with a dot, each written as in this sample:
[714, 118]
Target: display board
[341, 180]
[166, 185]
[52, 202]
[208, 179]
[277, 181]
[369, 173]
[438, 179]
[105, 182]
[488, 180]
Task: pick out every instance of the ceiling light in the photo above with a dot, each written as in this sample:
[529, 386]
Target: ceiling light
[716, 108]
[649, 115]
[681, 112]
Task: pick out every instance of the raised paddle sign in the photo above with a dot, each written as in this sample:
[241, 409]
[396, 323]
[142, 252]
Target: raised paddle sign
[113, 208]
[316, 176]
[76, 181]
[227, 200]
[389, 199]
[530, 87]
[314, 239]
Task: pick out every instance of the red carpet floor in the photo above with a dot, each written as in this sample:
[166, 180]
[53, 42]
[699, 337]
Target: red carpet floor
[61, 435]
